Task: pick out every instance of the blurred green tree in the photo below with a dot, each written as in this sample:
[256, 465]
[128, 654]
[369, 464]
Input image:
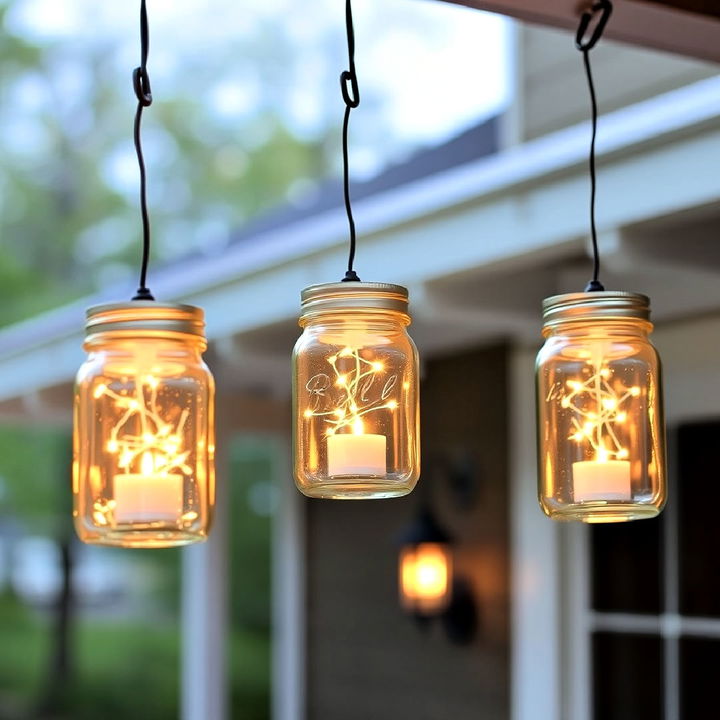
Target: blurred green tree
[68, 210]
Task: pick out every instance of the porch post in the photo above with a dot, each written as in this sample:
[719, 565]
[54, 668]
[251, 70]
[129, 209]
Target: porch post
[536, 640]
[205, 619]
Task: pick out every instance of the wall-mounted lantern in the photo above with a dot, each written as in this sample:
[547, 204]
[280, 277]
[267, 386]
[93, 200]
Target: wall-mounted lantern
[426, 567]
[427, 582]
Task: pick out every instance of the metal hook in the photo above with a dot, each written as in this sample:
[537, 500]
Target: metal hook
[605, 8]
[349, 87]
[141, 85]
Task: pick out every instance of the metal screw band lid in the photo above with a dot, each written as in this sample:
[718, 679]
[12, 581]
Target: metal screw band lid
[354, 296]
[604, 305]
[145, 316]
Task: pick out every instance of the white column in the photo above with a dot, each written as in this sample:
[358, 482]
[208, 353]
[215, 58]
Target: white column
[288, 671]
[205, 618]
[536, 642]
[575, 622]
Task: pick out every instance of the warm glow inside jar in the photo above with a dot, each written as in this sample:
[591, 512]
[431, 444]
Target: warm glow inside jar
[355, 393]
[144, 435]
[601, 430]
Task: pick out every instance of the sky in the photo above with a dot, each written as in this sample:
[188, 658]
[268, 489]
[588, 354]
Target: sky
[430, 68]
[427, 71]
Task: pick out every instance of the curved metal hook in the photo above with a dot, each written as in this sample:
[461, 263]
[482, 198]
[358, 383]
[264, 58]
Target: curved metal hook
[141, 85]
[605, 8]
[349, 87]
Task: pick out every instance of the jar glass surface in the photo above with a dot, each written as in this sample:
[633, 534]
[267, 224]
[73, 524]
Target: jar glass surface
[143, 441]
[356, 410]
[601, 434]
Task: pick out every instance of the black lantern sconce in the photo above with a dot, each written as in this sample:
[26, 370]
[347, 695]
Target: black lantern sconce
[428, 586]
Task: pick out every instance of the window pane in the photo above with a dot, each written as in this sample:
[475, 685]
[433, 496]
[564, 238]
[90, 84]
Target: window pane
[626, 567]
[698, 494]
[698, 677]
[627, 677]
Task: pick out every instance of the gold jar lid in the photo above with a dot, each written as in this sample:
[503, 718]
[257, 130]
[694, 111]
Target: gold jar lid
[145, 316]
[600, 305]
[354, 297]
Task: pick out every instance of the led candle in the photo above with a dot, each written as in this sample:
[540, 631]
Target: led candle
[598, 480]
[356, 454]
[148, 496]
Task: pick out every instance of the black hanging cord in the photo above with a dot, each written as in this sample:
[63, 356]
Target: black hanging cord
[604, 9]
[351, 96]
[143, 92]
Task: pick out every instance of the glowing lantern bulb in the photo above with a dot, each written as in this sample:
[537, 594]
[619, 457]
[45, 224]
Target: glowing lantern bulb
[425, 567]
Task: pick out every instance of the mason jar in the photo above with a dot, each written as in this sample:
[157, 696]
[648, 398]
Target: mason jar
[601, 442]
[143, 471]
[355, 393]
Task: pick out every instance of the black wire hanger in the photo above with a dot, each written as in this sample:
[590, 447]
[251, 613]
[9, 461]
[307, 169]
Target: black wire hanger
[603, 9]
[143, 92]
[351, 96]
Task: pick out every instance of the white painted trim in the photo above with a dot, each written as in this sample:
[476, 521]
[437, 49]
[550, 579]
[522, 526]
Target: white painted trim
[541, 223]
[624, 622]
[671, 596]
[289, 612]
[205, 615]
[679, 112]
[670, 625]
[535, 665]
[577, 660]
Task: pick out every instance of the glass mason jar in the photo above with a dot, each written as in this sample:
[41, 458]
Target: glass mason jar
[355, 393]
[143, 470]
[601, 431]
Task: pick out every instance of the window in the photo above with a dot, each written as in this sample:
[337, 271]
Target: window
[653, 615]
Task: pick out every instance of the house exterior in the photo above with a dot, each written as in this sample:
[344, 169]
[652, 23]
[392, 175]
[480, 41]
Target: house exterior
[479, 242]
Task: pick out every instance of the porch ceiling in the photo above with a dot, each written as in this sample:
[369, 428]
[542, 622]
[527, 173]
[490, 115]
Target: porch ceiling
[478, 246]
[685, 27]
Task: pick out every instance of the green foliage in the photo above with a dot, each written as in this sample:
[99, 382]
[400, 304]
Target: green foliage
[251, 467]
[69, 219]
[35, 475]
[122, 669]
[130, 667]
[25, 642]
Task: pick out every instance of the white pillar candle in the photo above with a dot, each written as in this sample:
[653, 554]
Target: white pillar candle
[596, 480]
[350, 454]
[148, 498]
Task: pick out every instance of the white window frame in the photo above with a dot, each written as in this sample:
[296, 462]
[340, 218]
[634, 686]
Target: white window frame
[692, 391]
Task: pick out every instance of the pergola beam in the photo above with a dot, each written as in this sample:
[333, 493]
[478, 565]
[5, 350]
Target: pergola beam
[686, 27]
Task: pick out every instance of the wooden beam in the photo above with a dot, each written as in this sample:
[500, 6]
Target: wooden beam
[700, 7]
[686, 27]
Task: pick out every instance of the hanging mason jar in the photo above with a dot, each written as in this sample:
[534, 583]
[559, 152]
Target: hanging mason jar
[144, 436]
[355, 393]
[601, 428]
